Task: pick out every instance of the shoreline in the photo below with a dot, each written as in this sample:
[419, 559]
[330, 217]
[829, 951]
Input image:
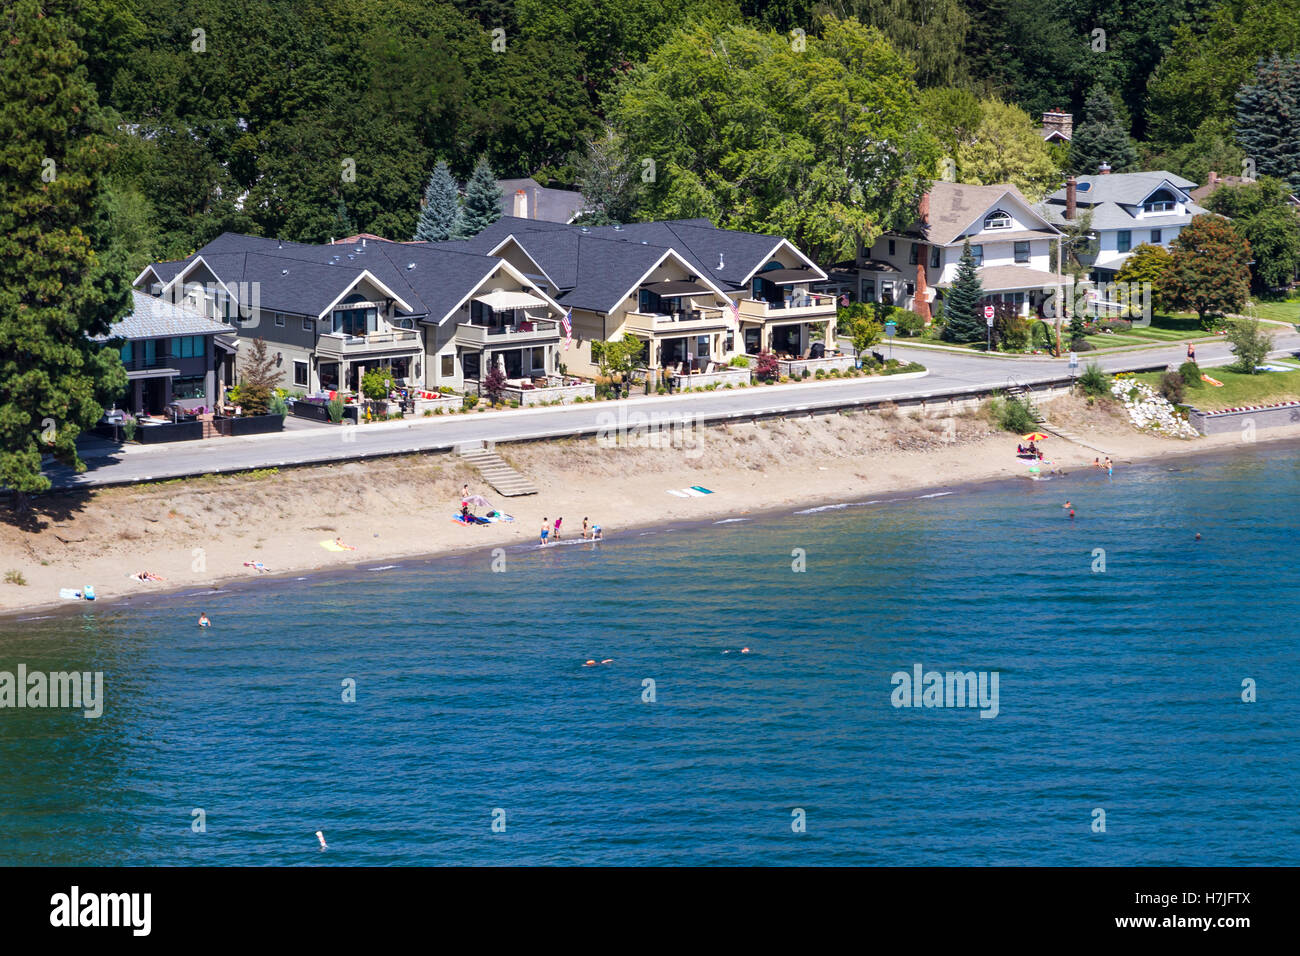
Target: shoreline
[759, 471]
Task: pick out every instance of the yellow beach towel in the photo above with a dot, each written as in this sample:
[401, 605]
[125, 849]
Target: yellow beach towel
[332, 546]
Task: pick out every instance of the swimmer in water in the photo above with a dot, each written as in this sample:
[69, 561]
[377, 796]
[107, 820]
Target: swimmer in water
[1066, 505]
[204, 621]
[1198, 536]
[608, 660]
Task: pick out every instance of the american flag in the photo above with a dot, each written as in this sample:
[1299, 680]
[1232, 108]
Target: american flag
[735, 309]
[567, 322]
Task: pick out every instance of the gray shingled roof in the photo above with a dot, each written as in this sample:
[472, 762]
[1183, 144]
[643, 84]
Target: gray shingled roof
[1121, 187]
[152, 318]
[544, 203]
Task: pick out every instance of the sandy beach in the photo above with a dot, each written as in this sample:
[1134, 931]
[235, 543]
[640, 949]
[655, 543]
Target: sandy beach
[203, 531]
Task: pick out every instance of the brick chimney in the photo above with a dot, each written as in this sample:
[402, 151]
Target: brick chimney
[521, 204]
[1104, 169]
[1071, 198]
[1059, 122]
[1214, 177]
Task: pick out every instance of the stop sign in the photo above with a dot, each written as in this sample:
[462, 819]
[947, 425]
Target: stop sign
[988, 311]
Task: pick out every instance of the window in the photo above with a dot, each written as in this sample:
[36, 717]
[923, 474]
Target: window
[307, 324]
[448, 365]
[911, 288]
[190, 346]
[731, 341]
[1162, 200]
[702, 346]
[355, 321]
[997, 219]
[1124, 240]
[300, 374]
[127, 353]
[279, 319]
[978, 253]
[934, 257]
[1022, 252]
[911, 256]
[1155, 237]
[150, 353]
[539, 358]
[651, 304]
[188, 387]
[891, 247]
[868, 290]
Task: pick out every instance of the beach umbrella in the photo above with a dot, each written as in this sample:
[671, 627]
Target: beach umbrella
[1034, 436]
[478, 501]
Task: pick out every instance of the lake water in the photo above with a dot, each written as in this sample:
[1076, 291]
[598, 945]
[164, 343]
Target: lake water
[1119, 690]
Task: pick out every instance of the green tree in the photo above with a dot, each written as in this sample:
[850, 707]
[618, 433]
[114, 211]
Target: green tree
[930, 33]
[1208, 271]
[609, 179]
[439, 218]
[482, 205]
[618, 358]
[1261, 211]
[1008, 148]
[1147, 263]
[858, 323]
[1250, 343]
[1212, 149]
[951, 116]
[1268, 119]
[963, 315]
[821, 144]
[1101, 138]
[60, 283]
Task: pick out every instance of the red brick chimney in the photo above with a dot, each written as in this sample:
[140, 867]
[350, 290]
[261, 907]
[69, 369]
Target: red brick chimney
[1071, 198]
[1214, 177]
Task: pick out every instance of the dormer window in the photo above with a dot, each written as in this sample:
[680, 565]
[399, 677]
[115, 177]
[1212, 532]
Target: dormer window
[1162, 200]
[997, 219]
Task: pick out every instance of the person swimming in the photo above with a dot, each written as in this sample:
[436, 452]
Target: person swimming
[204, 620]
[608, 660]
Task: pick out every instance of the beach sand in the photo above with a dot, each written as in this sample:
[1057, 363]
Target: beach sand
[199, 532]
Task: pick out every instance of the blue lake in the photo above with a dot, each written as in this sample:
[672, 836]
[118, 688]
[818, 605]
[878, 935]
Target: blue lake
[1119, 690]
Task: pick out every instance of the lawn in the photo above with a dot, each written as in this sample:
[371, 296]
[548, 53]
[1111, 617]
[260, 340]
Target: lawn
[1177, 327]
[1239, 389]
[1279, 310]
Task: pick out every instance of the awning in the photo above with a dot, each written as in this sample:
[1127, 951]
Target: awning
[880, 265]
[676, 289]
[789, 276]
[152, 373]
[505, 301]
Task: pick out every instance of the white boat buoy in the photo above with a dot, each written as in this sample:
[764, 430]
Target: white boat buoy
[320, 835]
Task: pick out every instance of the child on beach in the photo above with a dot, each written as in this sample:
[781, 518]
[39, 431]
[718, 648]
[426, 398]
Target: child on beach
[586, 531]
[596, 533]
[558, 522]
[546, 531]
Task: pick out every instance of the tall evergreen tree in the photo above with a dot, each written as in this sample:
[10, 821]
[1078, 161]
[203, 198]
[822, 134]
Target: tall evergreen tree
[56, 285]
[1268, 119]
[441, 213]
[963, 316]
[1101, 137]
[482, 205]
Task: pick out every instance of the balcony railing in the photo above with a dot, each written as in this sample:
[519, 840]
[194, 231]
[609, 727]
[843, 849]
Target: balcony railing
[340, 343]
[685, 322]
[531, 330]
[807, 305]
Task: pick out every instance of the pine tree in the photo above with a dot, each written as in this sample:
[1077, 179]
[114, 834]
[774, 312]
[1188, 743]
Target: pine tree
[482, 205]
[58, 285]
[441, 213]
[259, 378]
[1268, 119]
[1101, 138]
[343, 222]
[963, 316]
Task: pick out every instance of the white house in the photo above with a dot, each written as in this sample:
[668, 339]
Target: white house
[1010, 239]
[1128, 209]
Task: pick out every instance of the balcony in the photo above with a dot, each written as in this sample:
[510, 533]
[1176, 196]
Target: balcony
[686, 322]
[806, 307]
[531, 331]
[342, 345]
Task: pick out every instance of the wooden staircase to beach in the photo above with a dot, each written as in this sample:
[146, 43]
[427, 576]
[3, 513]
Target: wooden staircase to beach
[496, 472]
[1016, 390]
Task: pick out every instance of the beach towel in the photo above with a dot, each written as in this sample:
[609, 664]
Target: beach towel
[70, 594]
[701, 489]
[1215, 382]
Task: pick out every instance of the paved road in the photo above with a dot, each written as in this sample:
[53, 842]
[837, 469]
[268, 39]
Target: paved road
[951, 372]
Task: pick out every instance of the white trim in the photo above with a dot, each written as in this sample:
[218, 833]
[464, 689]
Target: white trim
[690, 270]
[495, 250]
[365, 274]
[821, 276]
[514, 274]
[149, 268]
[1015, 198]
[1180, 196]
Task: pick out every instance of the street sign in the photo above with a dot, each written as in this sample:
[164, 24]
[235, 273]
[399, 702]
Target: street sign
[889, 328]
[988, 315]
[1074, 361]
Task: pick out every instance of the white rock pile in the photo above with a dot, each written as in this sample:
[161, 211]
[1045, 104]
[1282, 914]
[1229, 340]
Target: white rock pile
[1151, 411]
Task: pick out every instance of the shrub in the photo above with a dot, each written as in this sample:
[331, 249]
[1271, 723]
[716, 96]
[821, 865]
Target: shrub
[1093, 380]
[1012, 414]
[15, 577]
[334, 408]
[898, 369]
[908, 323]
[260, 378]
[278, 404]
[1250, 343]
[494, 384]
[1115, 325]
[1171, 387]
[128, 428]
[739, 361]
[768, 366]
[1080, 345]
[1191, 373]
[469, 402]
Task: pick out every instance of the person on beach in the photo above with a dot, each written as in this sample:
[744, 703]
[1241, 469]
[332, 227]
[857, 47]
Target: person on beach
[558, 522]
[345, 547]
[586, 531]
[1096, 463]
[203, 620]
[464, 491]
[1110, 468]
[148, 576]
[596, 533]
[256, 565]
[546, 531]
